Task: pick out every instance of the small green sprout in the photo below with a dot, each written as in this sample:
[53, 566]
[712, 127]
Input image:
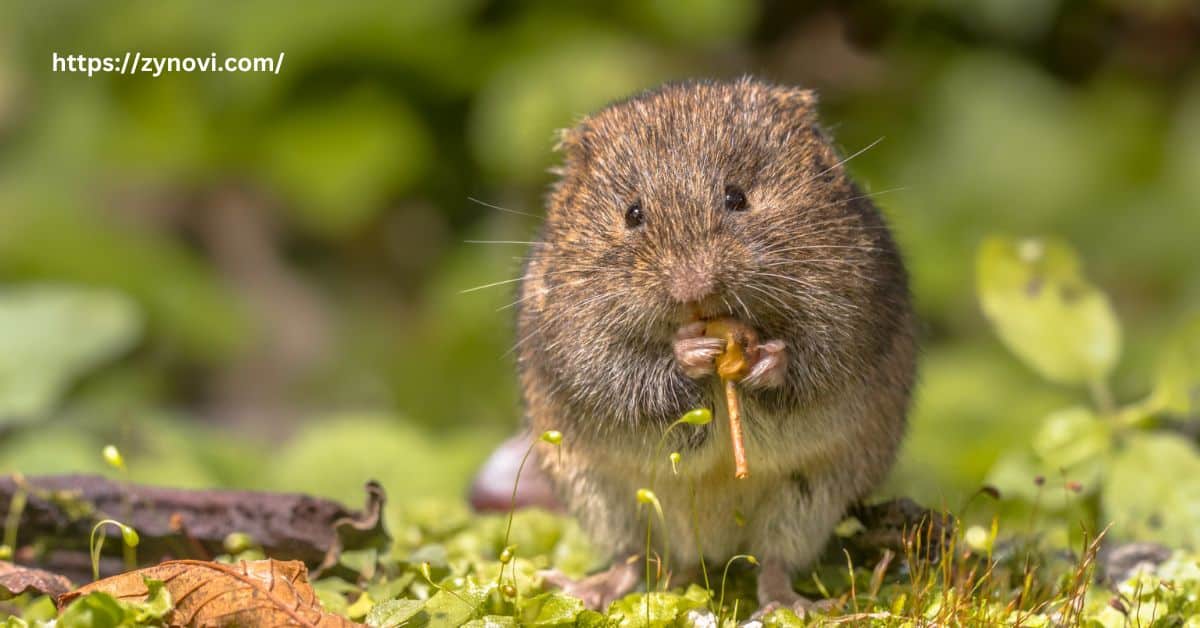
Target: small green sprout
[237, 542]
[506, 556]
[129, 537]
[699, 416]
[725, 576]
[553, 437]
[647, 496]
[12, 522]
[427, 573]
[361, 606]
[113, 457]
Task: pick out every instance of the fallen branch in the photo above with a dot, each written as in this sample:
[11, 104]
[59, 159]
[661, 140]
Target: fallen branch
[176, 523]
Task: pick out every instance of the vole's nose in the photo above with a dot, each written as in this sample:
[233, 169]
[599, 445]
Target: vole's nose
[691, 283]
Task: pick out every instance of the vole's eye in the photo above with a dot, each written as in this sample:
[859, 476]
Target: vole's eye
[634, 216]
[735, 199]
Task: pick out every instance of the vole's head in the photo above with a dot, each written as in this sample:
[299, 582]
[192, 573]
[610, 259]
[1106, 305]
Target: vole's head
[709, 199]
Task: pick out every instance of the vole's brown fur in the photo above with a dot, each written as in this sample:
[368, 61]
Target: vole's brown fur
[807, 261]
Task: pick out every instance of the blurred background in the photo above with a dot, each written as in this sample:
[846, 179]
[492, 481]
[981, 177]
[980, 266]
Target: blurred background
[256, 280]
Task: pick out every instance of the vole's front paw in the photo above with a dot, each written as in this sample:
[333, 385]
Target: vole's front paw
[770, 365]
[696, 352]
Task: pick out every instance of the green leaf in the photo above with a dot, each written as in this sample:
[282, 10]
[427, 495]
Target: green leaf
[783, 618]
[50, 334]
[94, 610]
[1074, 440]
[101, 610]
[157, 604]
[1152, 490]
[1177, 387]
[391, 613]
[491, 621]
[1045, 311]
[664, 608]
[591, 619]
[450, 608]
[551, 609]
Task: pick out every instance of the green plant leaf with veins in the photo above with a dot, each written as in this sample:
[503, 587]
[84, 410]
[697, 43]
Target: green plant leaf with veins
[1045, 310]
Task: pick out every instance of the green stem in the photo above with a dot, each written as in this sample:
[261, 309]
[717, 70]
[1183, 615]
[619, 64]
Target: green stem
[658, 449]
[512, 509]
[649, 522]
[725, 576]
[16, 506]
[1102, 396]
[699, 545]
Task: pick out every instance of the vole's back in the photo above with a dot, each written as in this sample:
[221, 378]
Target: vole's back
[691, 202]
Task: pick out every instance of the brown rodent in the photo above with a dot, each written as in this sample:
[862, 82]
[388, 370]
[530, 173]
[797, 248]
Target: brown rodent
[700, 200]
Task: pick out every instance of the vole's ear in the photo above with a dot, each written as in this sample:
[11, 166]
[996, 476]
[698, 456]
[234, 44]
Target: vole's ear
[799, 104]
[574, 144]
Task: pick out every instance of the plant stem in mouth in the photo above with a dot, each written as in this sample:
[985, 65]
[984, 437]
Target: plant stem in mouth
[741, 468]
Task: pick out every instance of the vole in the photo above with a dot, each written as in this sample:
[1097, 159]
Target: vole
[686, 203]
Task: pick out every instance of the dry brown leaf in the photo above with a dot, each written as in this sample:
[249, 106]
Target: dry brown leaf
[17, 580]
[255, 593]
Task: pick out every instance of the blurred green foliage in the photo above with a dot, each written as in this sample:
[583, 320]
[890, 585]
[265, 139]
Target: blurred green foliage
[1135, 466]
[264, 258]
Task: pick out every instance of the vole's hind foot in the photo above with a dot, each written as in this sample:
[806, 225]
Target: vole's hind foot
[696, 352]
[770, 365]
[597, 590]
[775, 592]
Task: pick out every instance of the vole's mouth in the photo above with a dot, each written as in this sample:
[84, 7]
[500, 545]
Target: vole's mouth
[708, 308]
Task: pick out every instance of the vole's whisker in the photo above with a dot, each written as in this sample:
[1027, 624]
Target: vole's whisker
[843, 266]
[546, 293]
[827, 298]
[522, 242]
[535, 332]
[490, 285]
[503, 209]
[564, 271]
[811, 260]
[815, 247]
[770, 295]
[728, 306]
[843, 161]
[749, 315]
[795, 280]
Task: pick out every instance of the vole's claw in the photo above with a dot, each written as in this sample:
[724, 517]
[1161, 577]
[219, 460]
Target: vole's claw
[770, 366]
[775, 591]
[696, 352]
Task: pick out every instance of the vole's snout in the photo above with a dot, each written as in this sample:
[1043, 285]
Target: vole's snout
[691, 282]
